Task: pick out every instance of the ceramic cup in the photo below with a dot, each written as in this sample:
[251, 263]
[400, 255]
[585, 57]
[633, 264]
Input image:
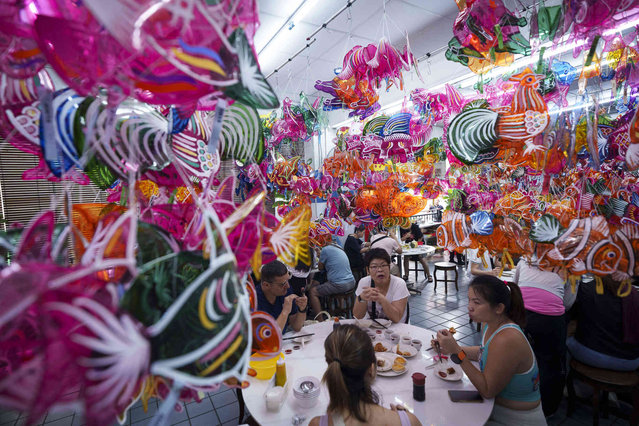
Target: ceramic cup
[417, 344]
[387, 334]
[406, 340]
[394, 338]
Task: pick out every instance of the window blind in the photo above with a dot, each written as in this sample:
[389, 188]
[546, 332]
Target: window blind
[21, 199]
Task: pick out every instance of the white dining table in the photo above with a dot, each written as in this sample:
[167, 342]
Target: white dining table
[419, 250]
[437, 409]
[508, 276]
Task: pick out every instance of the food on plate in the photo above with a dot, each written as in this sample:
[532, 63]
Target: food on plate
[399, 364]
[452, 330]
[402, 353]
[379, 347]
[381, 362]
[450, 370]
[443, 374]
[398, 368]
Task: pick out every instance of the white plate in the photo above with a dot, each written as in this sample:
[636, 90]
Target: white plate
[406, 349]
[459, 373]
[364, 323]
[387, 363]
[300, 339]
[390, 358]
[384, 322]
[386, 346]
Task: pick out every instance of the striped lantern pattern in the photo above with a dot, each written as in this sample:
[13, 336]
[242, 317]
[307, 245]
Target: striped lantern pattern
[135, 137]
[241, 137]
[472, 132]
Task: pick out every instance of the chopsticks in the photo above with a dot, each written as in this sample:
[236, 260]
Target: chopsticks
[295, 337]
[380, 324]
[439, 349]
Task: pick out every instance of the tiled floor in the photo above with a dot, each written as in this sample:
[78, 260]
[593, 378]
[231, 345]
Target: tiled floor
[431, 310]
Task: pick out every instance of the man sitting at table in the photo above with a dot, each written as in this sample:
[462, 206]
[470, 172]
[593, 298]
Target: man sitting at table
[482, 265]
[275, 297]
[380, 294]
[354, 249]
[414, 233]
[339, 278]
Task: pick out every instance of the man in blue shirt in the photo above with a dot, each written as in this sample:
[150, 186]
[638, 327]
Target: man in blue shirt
[339, 277]
[275, 297]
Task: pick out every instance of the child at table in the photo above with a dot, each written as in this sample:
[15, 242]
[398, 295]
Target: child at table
[352, 367]
[508, 369]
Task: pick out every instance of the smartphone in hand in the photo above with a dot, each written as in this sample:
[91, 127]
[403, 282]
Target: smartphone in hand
[465, 396]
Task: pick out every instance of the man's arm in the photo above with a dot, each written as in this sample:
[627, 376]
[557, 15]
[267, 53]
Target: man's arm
[475, 269]
[398, 247]
[321, 260]
[287, 306]
[297, 320]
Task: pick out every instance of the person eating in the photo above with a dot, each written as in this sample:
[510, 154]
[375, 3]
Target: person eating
[275, 297]
[352, 368]
[380, 294]
[508, 369]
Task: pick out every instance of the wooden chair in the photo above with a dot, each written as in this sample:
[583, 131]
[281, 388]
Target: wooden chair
[340, 304]
[605, 381]
[446, 267]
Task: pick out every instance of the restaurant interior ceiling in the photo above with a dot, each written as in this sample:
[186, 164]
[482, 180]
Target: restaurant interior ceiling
[428, 24]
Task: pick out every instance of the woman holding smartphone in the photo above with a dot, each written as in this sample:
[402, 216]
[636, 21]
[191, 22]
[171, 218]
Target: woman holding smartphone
[508, 369]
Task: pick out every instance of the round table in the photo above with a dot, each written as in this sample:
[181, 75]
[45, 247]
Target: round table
[508, 276]
[419, 250]
[309, 361]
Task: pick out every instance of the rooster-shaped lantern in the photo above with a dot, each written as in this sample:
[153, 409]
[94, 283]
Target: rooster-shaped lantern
[477, 134]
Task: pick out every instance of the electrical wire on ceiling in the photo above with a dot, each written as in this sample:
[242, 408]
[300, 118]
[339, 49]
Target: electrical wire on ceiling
[309, 40]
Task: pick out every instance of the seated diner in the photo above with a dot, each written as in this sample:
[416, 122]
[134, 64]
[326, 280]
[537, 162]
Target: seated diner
[275, 297]
[351, 371]
[380, 294]
[508, 369]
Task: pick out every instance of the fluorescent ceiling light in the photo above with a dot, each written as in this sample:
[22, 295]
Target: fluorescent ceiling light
[287, 27]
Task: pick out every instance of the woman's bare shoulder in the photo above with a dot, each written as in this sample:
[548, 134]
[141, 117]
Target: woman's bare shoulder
[510, 339]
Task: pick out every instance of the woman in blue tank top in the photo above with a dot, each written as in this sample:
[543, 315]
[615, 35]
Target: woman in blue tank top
[508, 369]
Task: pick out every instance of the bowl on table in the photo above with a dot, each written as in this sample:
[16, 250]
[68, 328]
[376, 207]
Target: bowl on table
[306, 391]
[264, 367]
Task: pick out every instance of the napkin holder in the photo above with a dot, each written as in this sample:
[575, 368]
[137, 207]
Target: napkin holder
[274, 397]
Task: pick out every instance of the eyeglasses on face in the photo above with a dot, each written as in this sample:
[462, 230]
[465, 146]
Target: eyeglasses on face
[378, 267]
[280, 285]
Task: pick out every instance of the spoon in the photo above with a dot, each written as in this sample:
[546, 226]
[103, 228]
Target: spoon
[307, 386]
[297, 419]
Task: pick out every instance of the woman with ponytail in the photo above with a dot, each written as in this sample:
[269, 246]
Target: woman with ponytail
[352, 367]
[508, 369]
